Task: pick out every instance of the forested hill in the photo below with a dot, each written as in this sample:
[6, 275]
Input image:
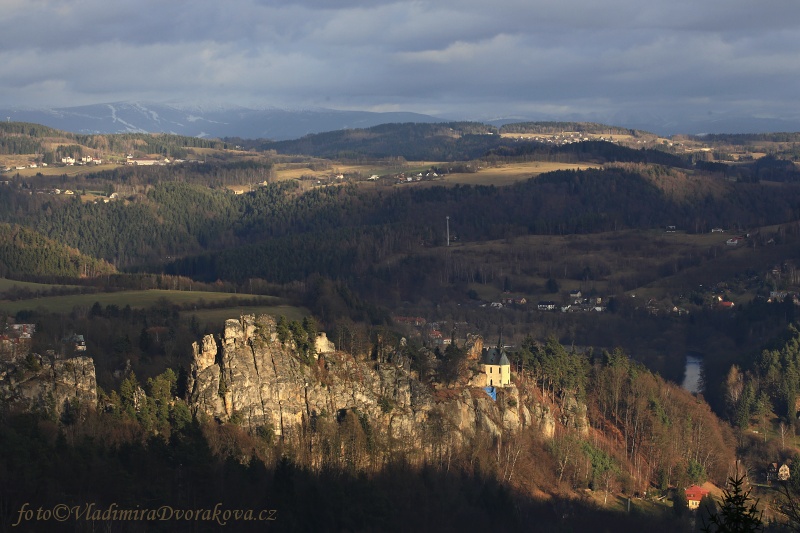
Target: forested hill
[454, 141]
[414, 141]
[594, 151]
[21, 138]
[26, 253]
[437, 142]
[346, 232]
[749, 138]
[333, 229]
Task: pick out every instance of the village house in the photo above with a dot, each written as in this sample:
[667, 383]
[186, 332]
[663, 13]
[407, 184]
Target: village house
[781, 473]
[777, 296]
[23, 330]
[75, 343]
[694, 495]
[416, 321]
[772, 471]
[143, 162]
[15, 342]
[436, 337]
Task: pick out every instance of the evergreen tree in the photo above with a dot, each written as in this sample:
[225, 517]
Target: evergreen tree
[738, 512]
[680, 505]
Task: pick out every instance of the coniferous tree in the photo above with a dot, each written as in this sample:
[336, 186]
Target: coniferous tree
[738, 512]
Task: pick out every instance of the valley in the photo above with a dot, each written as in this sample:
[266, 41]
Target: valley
[610, 265]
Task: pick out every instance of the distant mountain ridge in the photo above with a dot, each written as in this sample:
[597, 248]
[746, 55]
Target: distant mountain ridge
[275, 124]
[286, 124]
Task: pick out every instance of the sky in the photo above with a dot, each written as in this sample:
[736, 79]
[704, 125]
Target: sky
[459, 58]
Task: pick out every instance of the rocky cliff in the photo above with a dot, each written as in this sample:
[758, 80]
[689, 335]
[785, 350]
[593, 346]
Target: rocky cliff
[48, 385]
[248, 375]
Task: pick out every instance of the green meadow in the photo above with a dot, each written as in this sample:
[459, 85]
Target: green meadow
[8, 284]
[136, 299]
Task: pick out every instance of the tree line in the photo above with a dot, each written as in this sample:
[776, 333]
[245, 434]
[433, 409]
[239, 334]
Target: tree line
[26, 254]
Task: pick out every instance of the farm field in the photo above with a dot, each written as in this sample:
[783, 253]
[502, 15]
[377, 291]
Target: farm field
[499, 176]
[305, 174]
[293, 171]
[136, 299]
[7, 284]
[512, 173]
[70, 171]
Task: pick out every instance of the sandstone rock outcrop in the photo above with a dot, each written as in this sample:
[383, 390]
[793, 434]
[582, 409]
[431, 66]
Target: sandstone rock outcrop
[249, 376]
[47, 385]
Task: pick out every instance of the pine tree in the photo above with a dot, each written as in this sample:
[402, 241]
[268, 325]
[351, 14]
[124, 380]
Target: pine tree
[738, 512]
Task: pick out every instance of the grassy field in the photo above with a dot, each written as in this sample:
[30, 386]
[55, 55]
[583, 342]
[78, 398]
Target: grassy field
[6, 284]
[60, 171]
[136, 299]
[502, 175]
[293, 171]
[512, 173]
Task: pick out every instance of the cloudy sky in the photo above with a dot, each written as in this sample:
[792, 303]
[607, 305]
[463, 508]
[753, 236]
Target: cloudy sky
[467, 58]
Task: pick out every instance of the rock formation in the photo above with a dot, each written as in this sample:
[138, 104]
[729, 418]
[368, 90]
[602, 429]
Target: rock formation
[249, 376]
[44, 384]
[474, 347]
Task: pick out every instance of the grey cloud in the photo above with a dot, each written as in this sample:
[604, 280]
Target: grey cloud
[559, 57]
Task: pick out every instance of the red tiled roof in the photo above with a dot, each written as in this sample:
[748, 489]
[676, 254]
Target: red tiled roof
[695, 493]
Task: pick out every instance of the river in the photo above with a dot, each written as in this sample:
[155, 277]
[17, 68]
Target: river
[692, 381]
